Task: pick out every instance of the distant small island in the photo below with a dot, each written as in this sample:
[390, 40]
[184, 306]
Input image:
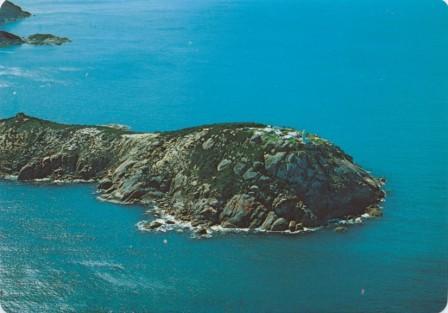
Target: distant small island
[9, 12]
[8, 39]
[240, 176]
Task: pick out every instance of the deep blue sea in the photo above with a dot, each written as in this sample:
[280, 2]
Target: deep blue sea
[370, 75]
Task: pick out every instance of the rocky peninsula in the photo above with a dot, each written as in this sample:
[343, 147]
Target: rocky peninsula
[224, 176]
[9, 12]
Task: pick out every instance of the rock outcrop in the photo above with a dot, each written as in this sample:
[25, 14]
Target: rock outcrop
[9, 12]
[228, 176]
[46, 40]
[8, 39]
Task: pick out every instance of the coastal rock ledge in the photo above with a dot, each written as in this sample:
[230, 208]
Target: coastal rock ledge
[224, 176]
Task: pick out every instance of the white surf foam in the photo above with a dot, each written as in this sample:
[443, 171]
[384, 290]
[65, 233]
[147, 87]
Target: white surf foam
[102, 264]
[42, 75]
[117, 280]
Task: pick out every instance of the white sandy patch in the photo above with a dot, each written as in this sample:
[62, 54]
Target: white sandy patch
[1, 4]
[1, 310]
[89, 131]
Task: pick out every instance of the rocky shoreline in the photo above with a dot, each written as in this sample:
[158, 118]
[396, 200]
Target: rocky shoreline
[9, 12]
[165, 222]
[217, 178]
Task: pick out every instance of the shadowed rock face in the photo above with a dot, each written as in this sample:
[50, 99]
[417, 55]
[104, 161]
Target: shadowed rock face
[8, 39]
[233, 175]
[9, 12]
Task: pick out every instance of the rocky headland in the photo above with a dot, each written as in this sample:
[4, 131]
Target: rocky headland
[9, 12]
[218, 177]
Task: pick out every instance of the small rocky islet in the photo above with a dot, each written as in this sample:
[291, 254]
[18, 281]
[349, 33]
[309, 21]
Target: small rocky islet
[9, 12]
[240, 176]
[8, 39]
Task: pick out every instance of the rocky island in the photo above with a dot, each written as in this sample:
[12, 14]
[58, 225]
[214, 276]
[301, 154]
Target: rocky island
[9, 12]
[217, 177]
[8, 39]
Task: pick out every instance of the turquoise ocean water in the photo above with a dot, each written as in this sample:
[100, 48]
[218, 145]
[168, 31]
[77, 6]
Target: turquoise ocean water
[371, 76]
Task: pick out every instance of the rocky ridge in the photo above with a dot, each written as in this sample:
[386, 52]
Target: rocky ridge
[226, 176]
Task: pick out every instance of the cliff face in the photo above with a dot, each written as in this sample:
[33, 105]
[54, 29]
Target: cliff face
[232, 175]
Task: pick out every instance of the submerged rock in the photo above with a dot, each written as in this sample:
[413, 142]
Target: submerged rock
[230, 175]
[340, 229]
